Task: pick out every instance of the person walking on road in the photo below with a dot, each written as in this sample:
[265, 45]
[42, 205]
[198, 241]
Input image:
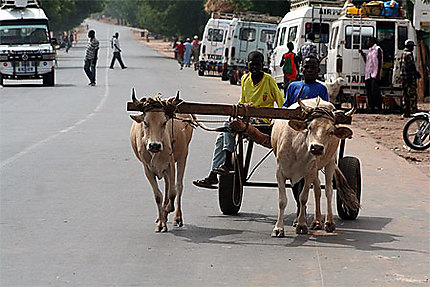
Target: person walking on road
[180, 49]
[116, 52]
[91, 55]
[289, 66]
[258, 89]
[372, 76]
[195, 50]
[187, 54]
[408, 77]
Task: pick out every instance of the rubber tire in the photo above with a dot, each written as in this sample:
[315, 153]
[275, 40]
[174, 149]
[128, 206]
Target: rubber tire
[405, 134]
[49, 79]
[233, 81]
[201, 73]
[230, 193]
[350, 167]
[1, 80]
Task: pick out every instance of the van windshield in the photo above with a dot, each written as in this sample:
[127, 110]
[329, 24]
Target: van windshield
[23, 34]
[320, 31]
[215, 35]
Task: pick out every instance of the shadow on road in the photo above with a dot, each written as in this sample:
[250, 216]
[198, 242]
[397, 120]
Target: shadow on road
[361, 234]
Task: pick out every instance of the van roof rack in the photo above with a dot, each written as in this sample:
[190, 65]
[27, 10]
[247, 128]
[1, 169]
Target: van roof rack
[248, 16]
[296, 4]
[222, 15]
[255, 17]
[19, 4]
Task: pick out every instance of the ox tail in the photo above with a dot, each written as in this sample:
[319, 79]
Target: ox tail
[197, 122]
[345, 192]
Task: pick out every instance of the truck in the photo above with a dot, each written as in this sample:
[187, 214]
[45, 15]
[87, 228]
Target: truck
[248, 32]
[305, 17]
[349, 35]
[25, 44]
[212, 44]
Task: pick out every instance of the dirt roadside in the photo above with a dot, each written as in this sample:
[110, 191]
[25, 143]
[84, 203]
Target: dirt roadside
[386, 129]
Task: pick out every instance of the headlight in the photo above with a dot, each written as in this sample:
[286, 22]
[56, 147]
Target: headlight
[48, 56]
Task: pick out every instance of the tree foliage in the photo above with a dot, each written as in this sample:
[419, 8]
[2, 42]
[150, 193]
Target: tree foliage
[66, 14]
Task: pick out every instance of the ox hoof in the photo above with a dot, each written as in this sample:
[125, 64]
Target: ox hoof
[278, 233]
[329, 226]
[295, 222]
[302, 229]
[316, 225]
[178, 222]
[161, 229]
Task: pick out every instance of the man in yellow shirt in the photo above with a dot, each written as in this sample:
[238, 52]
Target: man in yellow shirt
[258, 89]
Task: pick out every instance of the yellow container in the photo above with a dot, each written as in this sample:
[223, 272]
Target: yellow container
[353, 11]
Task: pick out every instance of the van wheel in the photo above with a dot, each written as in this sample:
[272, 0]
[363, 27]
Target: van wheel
[49, 79]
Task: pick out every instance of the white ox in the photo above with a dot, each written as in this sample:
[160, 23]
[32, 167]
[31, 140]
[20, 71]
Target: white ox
[302, 148]
[159, 146]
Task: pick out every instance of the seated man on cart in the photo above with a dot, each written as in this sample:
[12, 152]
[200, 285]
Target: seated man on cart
[258, 89]
[309, 87]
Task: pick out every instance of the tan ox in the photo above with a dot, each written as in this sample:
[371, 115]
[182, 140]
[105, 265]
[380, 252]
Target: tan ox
[302, 148]
[159, 146]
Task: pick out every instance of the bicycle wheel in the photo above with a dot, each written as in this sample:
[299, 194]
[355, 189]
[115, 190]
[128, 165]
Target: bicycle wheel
[416, 133]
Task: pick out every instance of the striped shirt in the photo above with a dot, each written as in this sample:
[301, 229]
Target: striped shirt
[92, 48]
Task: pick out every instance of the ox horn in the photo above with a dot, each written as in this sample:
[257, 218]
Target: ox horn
[133, 96]
[354, 108]
[305, 108]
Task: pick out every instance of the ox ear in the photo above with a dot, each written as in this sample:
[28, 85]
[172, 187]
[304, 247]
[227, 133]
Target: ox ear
[137, 118]
[343, 132]
[297, 125]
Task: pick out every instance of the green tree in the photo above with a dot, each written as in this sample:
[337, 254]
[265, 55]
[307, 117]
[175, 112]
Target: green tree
[66, 14]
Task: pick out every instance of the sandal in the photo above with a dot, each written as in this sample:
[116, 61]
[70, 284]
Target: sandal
[206, 183]
[223, 170]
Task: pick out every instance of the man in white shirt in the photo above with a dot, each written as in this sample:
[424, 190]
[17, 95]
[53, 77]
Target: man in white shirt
[116, 52]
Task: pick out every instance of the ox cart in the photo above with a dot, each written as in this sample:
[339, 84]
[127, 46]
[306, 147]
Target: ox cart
[230, 188]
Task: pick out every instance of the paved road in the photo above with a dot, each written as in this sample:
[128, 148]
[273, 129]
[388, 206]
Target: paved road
[76, 209]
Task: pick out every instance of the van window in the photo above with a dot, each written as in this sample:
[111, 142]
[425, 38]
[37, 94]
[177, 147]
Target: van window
[292, 33]
[267, 36]
[277, 37]
[281, 41]
[320, 30]
[334, 33]
[366, 32]
[402, 35]
[247, 34]
[215, 35]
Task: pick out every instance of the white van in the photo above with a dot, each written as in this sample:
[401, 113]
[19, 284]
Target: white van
[305, 17]
[349, 34]
[247, 33]
[25, 46]
[212, 44]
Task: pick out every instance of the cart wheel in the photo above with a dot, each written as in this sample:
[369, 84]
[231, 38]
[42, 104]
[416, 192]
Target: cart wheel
[350, 167]
[230, 191]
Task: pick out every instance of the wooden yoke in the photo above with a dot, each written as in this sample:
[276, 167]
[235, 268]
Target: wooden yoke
[232, 110]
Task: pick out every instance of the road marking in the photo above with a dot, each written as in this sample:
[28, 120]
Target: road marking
[319, 262]
[68, 129]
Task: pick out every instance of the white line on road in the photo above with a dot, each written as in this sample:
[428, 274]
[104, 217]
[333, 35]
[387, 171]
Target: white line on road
[68, 129]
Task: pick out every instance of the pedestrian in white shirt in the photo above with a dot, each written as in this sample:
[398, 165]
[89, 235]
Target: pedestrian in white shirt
[116, 52]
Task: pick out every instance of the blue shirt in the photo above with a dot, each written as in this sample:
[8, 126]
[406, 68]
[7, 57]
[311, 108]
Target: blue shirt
[309, 91]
